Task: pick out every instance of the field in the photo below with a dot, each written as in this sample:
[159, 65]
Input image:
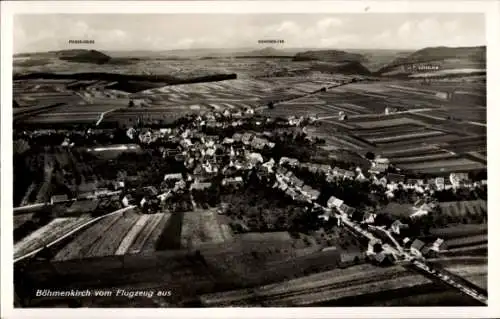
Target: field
[457, 231]
[116, 235]
[321, 287]
[427, 131]
[463, 208]
[201, 227]
[47, 234]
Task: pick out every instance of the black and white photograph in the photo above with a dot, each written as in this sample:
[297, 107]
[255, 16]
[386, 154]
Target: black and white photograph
[190, 160]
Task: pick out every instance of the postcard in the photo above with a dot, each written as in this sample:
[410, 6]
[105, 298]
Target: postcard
[228, 159]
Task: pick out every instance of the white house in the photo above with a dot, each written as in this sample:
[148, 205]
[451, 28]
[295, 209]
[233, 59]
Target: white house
[127, 200]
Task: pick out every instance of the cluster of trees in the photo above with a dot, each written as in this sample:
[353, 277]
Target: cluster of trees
[261, 210]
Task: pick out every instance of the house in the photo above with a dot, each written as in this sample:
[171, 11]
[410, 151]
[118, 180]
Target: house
[346, 209]
[325, 216]
[412, 182]
[237, 114]
[374, 246]
[164, 196]
[296, 181]
[238, 180]
[254, 158]
[127, 200]
[58, 199]
[397, 226]
[118, 185]
[439, 182]
[258, 143]
[291, 193]
[334, 202]
[131, 133]
[246, 138]
[457, 178]
[369, 218]
[360, 176]
[173, 176]
[382, 181]
[151, 190]
[349, 174]
[237, 137]
[420, 210]
[228, 140]
[416, 246]
[343, 173]
[406, 242]
[282, 186]
[439, 245]
[201, 185]
[269, 165]
[378, 168]
[289, 161]
[311, 193]
[143, 202]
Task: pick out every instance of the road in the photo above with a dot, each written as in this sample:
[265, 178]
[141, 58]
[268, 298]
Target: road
[370, 115]
[409, 256]
[28, 208]
[302, 96]
[101, 116]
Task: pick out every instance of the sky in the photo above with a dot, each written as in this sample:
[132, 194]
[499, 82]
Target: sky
[157, 32]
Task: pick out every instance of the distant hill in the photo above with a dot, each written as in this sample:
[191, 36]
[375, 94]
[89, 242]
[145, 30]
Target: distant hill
[378, 58]
[343, 68]
[82, 56]
[329, 56]
[444, 58]
[266, 52]
[74, 55]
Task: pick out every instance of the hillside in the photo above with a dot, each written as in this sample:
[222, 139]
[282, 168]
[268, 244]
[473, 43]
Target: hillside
[329, 56]
[468, 59]
[75, 56]
[343, 68]
[83, 56]
[266, 52]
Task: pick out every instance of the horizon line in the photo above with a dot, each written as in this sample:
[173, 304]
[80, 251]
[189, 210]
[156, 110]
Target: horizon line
[251, 48]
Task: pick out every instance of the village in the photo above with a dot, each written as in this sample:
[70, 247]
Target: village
[222, 152]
